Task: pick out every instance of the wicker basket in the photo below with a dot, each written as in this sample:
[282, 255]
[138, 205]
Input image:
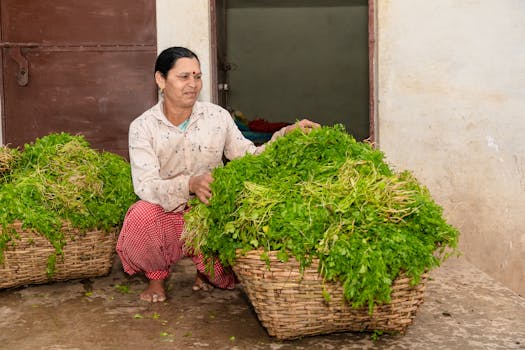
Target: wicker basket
[89, 254]
[290, 304]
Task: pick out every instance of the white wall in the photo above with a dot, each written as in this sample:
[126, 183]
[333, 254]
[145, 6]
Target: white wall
[187, 23]
[451, 92]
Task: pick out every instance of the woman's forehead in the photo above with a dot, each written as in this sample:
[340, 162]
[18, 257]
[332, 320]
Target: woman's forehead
[186, 64]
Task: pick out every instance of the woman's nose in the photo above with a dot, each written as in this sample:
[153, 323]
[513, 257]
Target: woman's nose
[193, 80]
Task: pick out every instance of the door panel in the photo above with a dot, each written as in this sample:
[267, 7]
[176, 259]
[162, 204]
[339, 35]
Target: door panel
[91, 92]
[90, 69]
[101, 22]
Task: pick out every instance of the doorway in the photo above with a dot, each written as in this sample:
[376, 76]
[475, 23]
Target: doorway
[284, 60]
[83, 67]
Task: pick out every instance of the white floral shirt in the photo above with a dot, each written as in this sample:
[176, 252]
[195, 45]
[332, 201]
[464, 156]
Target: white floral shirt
[163, 157]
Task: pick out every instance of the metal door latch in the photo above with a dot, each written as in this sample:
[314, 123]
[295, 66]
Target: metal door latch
[22, 76]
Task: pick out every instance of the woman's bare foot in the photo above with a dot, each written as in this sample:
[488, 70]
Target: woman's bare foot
[154, 292]
[201, 283]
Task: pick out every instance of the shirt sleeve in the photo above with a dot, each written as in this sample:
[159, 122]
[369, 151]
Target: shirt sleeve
[171, 194]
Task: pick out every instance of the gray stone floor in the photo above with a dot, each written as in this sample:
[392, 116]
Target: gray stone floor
[463, 309]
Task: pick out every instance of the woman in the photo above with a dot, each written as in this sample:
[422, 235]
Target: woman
[173, 148]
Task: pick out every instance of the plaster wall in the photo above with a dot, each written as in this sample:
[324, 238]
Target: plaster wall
[451, 98]
[187, 23]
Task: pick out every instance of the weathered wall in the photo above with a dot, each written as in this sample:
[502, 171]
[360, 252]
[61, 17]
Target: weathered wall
[451, 99]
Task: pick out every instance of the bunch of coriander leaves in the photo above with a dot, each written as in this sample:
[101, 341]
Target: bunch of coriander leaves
[324, 195]
[57, 179]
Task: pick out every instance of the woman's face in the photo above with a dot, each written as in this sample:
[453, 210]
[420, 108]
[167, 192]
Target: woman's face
[183, 84]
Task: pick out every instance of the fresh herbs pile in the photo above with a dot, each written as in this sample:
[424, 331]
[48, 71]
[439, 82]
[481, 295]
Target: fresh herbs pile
[324, 195]
[59, 179]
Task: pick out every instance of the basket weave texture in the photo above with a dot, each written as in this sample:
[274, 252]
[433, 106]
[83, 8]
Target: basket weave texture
[290, 303]
[89, 254]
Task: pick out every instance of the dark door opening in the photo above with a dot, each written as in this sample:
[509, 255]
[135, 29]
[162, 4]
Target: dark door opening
[281, 61]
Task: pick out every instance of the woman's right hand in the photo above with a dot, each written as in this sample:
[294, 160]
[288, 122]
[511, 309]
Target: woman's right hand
[200, 186]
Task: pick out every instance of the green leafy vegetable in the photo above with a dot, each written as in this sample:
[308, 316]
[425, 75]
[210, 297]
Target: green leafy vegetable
[324, 195]
[59, 179]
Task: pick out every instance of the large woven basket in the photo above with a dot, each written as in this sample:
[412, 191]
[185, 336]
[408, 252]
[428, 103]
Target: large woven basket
[88, 254]
[290, 304]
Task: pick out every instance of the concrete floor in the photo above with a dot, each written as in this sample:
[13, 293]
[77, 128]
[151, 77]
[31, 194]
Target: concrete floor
[463, 309]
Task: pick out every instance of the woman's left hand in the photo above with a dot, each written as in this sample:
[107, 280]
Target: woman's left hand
[200, 186]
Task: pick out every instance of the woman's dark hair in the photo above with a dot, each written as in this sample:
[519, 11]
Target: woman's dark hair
[169, 56]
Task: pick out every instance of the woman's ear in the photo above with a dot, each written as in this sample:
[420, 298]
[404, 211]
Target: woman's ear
[160, 80]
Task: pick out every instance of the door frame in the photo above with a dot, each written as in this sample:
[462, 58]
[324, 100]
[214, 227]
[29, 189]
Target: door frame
[372, 69]
[2, 118]
[214, 91]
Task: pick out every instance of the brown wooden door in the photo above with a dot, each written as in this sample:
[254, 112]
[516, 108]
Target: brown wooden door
[76, 66]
